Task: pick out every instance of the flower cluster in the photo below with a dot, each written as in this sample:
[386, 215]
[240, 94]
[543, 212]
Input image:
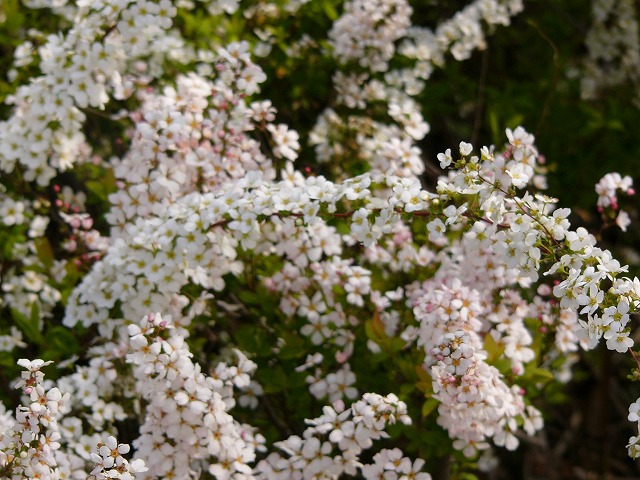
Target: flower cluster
[79, 70]
[613, 51]
[367, 31]
[475, 403]
[30, 443]
[607, 189]
[457, 304]
[186, 412]
[111, 464]
[351, 431]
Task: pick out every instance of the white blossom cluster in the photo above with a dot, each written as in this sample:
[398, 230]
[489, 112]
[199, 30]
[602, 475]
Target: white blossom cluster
[186, 412]
[367, 30]
[25, 285]
[515, 257]
[79, 69]
[193, 137]
[29, 443]
[350, 431]
[445, 278]
[111, 464]
[475, 403]
[634, 442]
[460, 35]
[386, 148]
[613, 48]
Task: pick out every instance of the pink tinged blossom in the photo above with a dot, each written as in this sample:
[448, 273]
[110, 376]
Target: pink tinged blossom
[623, 220]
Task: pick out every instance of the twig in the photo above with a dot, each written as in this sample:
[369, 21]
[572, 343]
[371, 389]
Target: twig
[482, 86]
[554, 80]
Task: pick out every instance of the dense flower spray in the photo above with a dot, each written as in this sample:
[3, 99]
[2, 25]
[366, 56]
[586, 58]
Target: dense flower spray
[304, 326]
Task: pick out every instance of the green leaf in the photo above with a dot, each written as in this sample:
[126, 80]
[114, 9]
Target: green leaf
[395, 344]
[374, 328]
[494, 123]
[7, 360]
[330, 10]
[538, 375]
[274, 380]
[294, 346]
[466, 476]
[249, 298]
[429, 406]
[63, 341]
[30, 326]
[44, 251]
[494, 349]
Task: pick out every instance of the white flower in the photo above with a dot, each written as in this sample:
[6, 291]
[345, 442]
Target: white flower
[445, 158]
[111, 452]
[465, 148]
[623, 220]
[634, 411]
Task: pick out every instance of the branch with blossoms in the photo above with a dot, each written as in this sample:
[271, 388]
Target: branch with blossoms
[522, 235]
[32, 444]
[447, 311]
[111, 464]
[352, 431]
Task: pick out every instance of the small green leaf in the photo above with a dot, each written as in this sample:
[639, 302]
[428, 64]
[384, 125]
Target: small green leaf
[466, 476]
[7, 360]
[63, 341]
[294, 346]
[29, 326]
[274, 380]
[536, 374]
[44, 251]
[429, 406]
[494, 349]
[374, 328]
[330, 10]
[395, 344]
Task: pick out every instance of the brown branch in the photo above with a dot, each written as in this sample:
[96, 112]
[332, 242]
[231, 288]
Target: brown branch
[554, 80]
[482, 86]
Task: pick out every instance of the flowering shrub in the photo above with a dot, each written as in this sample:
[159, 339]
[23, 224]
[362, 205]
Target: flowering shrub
[229, 315]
